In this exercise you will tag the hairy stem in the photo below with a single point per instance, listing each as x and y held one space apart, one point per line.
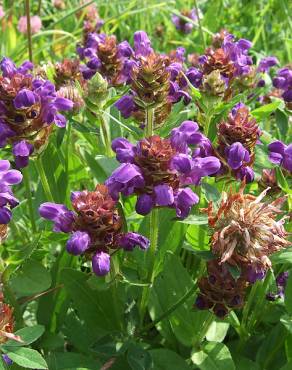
26 178
29 40
151 259
44 180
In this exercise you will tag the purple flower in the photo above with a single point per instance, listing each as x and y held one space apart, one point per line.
78 243
142 44
183 25
144 204
194 76
7 200
24 99
281 282
125 179
101 263
125 151
184 200
125 105
246 173
21 151
163 195
130 240
267 63
125 49
281 154
255 273
58 213
186 134
7 360
236 155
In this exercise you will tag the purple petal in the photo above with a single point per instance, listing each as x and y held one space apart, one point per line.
101 263
163 195
5 215
184 200
24 99
124 150
78 243
144 204
130 240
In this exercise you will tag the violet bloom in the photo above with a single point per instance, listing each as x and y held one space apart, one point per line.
8 177
28 106
7 360
95 227
281 154
236 155
267 63
181 24
283 81
35 24
281 282
160 170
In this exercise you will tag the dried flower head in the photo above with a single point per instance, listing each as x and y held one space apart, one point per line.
246 230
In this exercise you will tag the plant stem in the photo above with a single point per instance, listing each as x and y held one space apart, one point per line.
29 41
67 149
204 330
26 178
151 259
105 133
44 180
200 25
168 312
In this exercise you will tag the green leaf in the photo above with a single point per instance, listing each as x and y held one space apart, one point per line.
138 358
164 359
28 335
211 193
265 111
217 331
195 220
213 356
28 358
282 120
167 290
284 256
71 360
31 279
244 363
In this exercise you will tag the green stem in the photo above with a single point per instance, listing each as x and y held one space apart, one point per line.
200 25
26 178
44 180
67 150
29 41
168 312
200 337
105 133
151 259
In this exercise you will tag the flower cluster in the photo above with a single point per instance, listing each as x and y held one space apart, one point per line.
245 233
283 82
95 227
92 21
281 154
8 177
181 24
28 108
159 171
103 54
156 81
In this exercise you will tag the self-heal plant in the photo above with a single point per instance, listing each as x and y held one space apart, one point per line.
28 108
95 227
159 171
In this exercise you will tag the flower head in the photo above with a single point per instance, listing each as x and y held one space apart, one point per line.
35 24
183 25
28 108
283 82
159 171
95 227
